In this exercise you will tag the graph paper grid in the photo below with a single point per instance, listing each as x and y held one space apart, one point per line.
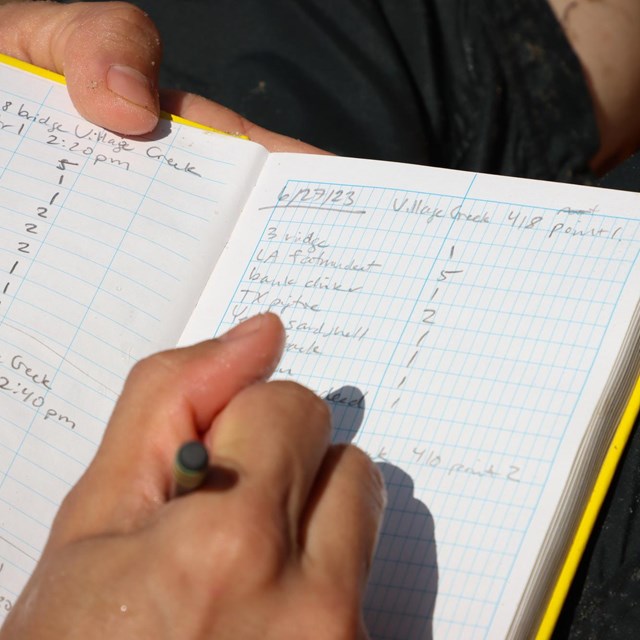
453 337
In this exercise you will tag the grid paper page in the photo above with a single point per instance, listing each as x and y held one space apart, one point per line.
452 331
105 245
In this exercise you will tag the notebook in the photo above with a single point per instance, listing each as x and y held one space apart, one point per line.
476 335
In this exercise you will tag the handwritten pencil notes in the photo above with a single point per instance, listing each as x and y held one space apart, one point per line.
105 246
462 329
465 330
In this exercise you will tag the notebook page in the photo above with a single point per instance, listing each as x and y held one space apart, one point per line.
461 327
105 244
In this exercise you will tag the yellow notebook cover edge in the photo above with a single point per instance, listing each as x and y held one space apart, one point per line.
587 522
56 77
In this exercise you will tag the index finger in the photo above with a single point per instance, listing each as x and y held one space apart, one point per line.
168 399
209 113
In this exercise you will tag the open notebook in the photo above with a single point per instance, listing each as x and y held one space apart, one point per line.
478 336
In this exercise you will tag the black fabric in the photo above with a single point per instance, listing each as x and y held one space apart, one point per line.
604 600
469 84
483 85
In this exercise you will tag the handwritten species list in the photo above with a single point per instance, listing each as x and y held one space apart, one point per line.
454 326
104 247
452 336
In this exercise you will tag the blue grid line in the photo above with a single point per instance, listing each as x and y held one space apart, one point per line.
134 281
400 342
463 224
111 397
122 252
553 458
54 423
101 220
148 265
254 285
20 539
22 137
397 253
495 269
49 445
468 197
43 523
368 360
17 567
103 291
596 325
79 325
79 191
44 496
129 233
118 375
39 466
70 348
534 232
73 324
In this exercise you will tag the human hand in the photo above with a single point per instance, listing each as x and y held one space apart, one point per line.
276 544
109 52
110 55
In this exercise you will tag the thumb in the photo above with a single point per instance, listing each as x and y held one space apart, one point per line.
108 51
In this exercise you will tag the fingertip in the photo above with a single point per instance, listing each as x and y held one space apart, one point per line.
267 323
199 380
210 114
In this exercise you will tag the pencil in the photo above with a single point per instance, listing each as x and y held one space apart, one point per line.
190 467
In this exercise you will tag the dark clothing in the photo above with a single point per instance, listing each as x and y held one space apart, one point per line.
480 85
469 84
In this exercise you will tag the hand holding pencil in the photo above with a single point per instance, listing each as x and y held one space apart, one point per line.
275 542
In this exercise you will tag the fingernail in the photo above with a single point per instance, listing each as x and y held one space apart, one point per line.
243 329
131 85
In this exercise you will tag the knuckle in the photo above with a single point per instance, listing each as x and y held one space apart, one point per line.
158 365
64 523
67 507
295 397
249 543
340 613
259 546
123 12
287 401
119 23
